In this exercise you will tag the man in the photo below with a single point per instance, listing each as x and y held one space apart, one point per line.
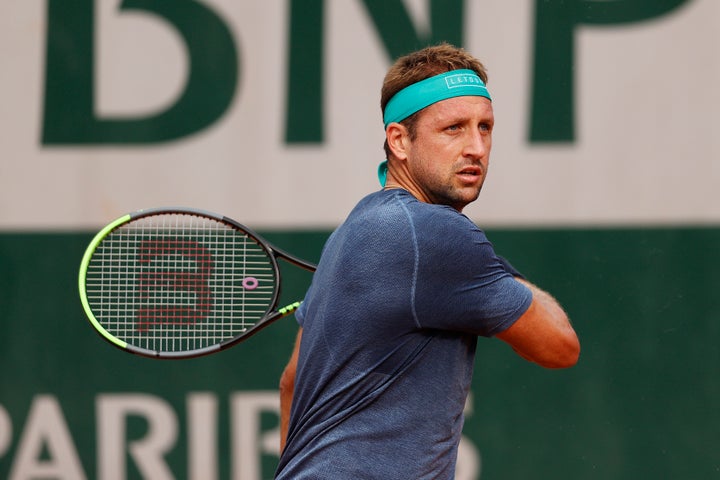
383 362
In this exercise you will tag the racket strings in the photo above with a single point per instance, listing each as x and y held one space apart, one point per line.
179 282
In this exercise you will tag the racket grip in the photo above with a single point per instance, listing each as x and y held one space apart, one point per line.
288 309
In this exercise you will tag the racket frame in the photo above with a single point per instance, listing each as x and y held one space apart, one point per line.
271 314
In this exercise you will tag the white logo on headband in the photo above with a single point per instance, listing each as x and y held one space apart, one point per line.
463 80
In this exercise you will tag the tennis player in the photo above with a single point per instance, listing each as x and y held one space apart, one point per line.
383 361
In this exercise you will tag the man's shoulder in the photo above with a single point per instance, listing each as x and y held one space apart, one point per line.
395 209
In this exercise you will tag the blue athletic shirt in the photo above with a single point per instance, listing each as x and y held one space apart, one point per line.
390 325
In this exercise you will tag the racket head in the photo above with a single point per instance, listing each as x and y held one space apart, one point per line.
178 283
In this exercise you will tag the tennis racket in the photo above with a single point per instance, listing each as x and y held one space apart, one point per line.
180 283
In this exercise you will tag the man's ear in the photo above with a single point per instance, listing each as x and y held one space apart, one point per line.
397 139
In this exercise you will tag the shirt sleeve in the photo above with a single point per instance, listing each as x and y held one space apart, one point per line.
460 284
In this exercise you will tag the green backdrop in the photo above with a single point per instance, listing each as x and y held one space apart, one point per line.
641 403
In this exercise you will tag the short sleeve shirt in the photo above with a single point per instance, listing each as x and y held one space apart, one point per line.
390 325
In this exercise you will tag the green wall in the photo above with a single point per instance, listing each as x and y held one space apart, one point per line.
641 403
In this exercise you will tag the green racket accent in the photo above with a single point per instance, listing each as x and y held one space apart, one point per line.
288 309
82 278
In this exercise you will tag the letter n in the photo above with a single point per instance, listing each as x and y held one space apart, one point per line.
305 121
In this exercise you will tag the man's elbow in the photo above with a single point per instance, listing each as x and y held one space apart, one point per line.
565 355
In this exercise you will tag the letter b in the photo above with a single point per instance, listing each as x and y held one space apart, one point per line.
69 116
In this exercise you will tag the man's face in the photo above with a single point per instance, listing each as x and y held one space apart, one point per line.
448 160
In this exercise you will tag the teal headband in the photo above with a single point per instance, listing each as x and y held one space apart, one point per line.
415 97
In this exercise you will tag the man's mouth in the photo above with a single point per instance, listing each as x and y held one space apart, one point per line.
470 172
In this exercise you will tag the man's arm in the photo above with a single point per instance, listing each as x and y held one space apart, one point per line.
543 334
287 388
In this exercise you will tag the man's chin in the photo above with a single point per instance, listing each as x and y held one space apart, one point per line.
463 198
